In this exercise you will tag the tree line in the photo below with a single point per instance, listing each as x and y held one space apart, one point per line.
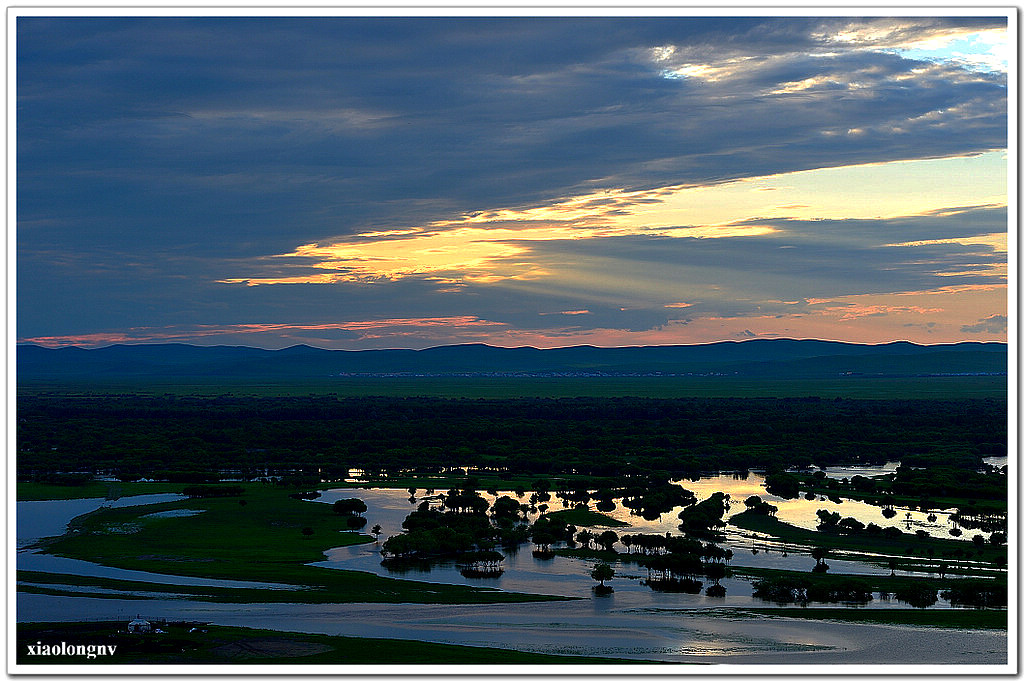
189 437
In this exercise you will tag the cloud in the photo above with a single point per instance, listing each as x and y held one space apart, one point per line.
802 259
188 129
633 282
157 156
995 324
360 329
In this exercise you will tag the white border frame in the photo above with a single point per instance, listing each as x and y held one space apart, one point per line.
423 8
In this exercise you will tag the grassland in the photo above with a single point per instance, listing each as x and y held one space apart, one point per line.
861 387
59 584
876 582
817 488
40 491
262 541
483 480
211 644
582 517
943 619
863 542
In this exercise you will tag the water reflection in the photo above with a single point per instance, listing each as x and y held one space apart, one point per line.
571 577
632 622
39 519
800 512
660 633
840 472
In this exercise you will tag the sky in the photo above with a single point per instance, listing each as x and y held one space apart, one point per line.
384 182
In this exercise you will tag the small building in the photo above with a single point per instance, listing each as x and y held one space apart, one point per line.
139 626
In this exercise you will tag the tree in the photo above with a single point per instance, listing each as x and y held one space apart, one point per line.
607 539
851 524
819 553
601 572
505 507
307 531
349 506
377 532
783 485
828 521
543 539
714 571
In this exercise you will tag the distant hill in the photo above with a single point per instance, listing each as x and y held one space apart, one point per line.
776 358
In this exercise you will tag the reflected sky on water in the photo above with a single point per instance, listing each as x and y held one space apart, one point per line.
633 622
562 575
600 627
40 519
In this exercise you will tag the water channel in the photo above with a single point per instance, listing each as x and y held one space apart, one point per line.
634 622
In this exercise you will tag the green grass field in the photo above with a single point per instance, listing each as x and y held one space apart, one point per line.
943 619
877 582
260 541
937 387
895 499
40 491
863 541
582 517
236 645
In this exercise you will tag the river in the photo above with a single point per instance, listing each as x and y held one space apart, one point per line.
632 623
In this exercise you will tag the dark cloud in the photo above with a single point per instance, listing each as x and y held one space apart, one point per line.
155 152
624 282
948 223
992 324
820 258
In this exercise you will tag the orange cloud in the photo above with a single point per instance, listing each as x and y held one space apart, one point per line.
846 313
366 328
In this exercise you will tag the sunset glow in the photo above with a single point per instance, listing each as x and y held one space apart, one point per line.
679 180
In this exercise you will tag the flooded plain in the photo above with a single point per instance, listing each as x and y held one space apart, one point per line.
568 576
595 627
633 622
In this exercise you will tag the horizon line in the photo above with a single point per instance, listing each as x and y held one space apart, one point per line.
512 347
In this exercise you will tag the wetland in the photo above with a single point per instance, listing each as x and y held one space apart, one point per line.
503 547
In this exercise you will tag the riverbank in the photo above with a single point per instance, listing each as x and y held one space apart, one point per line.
942 619
190 643
906 546
264 535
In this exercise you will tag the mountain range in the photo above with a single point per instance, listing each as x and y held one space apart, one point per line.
759 358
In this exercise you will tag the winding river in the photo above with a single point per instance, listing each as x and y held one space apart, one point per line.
632 623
